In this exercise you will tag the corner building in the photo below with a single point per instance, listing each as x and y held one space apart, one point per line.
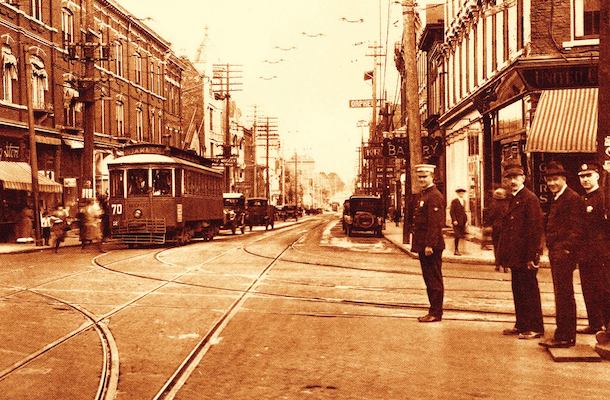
521 85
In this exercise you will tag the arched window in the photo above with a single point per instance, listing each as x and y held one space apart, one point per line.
9 73
139 125
67 26
120 118
138 68
40 82
118 58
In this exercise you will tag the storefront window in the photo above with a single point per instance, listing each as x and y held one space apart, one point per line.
137 182
510 119
162 182
116 184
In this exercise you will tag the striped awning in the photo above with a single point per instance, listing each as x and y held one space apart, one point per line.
18 176
565 122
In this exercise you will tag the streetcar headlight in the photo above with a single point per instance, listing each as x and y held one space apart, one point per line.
137 213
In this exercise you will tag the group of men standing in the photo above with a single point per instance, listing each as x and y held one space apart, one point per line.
576 233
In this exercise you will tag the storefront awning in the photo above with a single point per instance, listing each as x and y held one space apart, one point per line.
18 176
565 122
74 144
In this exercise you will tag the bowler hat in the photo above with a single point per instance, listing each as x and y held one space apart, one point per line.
458 190
588 168
555 168
513 169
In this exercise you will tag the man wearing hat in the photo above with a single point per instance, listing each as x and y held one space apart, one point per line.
457 211
563 237
519 247
593 263
428 241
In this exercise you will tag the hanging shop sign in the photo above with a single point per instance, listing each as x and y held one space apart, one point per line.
432 146
373 151
395 147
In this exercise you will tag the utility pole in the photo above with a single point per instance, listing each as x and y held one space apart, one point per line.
270 127
254 142
33 152
296 178
374 140
413 156
224 85
87 97
603 127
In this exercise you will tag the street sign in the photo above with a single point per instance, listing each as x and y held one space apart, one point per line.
364 103
395 147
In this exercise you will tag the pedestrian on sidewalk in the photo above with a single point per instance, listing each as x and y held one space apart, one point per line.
457 211
45 225
59 226
563 238
493 220
397 216
91 223
593 259
519 247
428 242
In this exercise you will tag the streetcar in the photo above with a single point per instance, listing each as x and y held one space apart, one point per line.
162 194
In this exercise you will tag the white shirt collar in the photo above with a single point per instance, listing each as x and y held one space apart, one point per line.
593 189
563 189
518 190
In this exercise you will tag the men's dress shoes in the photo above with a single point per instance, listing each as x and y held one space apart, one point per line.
428 318
457 253
557 344
588 330
530 335
511 332
603 337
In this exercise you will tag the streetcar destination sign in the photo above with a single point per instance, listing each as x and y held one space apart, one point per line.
364 103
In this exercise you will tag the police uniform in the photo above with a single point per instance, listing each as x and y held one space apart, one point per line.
593 257
428 222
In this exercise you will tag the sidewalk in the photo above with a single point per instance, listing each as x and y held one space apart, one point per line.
471 251
71 240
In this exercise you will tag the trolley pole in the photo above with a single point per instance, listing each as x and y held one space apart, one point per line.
33 152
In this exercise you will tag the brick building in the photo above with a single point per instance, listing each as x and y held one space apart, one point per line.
137 91
521 85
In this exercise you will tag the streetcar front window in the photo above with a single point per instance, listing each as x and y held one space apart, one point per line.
162 182
116 183
137 182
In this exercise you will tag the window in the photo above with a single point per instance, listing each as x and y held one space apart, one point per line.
116 183
139 125
162 182
211 119
37 9
151 74
9 73
586 19
138 68
67 26
120 118
137 182
159 79
160 128
118 58
40 82
152 126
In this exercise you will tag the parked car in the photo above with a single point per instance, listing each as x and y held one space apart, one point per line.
280 212
291 211
364 213
260 213
234 212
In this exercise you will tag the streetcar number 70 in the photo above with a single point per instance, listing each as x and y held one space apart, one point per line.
117 209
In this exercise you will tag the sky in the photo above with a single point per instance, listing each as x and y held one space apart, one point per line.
310 88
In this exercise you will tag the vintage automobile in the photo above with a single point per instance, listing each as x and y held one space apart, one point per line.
291 211
260 213
365 213
234 212
280 213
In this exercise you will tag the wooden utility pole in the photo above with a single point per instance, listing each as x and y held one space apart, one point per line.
374 140
87 97
255 183
414 155
224 85
603 127
33 152
296 179
270 126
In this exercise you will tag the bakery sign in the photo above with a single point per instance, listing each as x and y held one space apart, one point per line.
10 151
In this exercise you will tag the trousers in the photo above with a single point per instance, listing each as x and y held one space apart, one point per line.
431 267
562 271
526 296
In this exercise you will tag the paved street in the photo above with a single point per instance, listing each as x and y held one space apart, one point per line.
295 313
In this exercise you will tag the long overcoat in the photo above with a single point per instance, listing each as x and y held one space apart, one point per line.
458 214
564 225
521 232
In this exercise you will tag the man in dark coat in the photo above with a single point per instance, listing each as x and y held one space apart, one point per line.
457 211
519 247
428 242
563 238
593 257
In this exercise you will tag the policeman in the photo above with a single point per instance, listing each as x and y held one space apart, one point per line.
593 258
428 242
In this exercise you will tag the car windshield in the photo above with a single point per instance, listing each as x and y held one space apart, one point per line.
232 202
371 205
254 203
